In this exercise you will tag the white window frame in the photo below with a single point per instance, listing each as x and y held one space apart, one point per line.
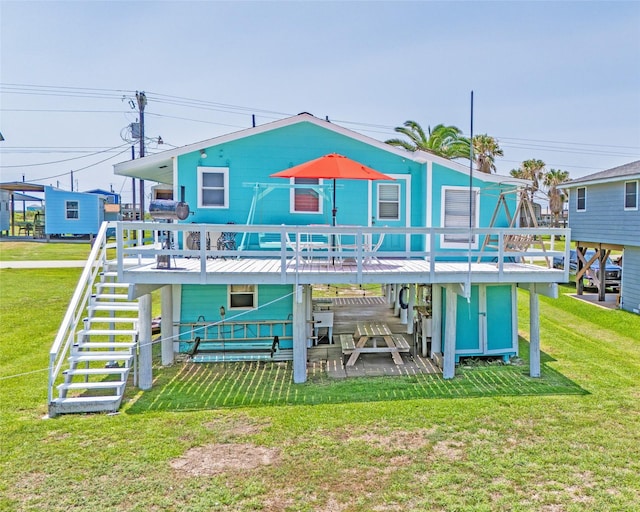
630 208
219 170
447 244
584 208
253 292
292 197
67 209
398 201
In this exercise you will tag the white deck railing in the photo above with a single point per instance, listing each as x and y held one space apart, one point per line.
420 243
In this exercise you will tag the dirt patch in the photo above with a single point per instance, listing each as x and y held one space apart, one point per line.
218 458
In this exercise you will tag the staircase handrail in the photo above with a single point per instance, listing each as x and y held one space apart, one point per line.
77 305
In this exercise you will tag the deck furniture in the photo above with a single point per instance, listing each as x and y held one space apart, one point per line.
322 320
371 332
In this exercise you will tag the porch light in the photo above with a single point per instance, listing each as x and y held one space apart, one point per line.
203 153
222 311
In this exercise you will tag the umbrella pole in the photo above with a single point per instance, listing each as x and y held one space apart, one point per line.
334 211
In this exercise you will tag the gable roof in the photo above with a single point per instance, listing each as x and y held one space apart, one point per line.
159 167
624 172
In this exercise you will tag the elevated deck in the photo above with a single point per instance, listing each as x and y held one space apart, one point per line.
151 263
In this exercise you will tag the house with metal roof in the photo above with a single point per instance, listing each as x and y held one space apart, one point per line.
604 215
236 253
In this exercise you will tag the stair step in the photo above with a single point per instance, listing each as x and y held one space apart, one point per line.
79 404
112 285
89 345
108 332
112 296
114 306
93 385
97 371
112 319
82 357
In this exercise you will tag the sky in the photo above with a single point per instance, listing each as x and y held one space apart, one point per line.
555 81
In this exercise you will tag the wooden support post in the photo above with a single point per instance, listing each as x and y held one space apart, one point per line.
449 364
166 324
145 378
602 274
299 334
534 332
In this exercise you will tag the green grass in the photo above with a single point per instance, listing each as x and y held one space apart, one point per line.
566 442
32 251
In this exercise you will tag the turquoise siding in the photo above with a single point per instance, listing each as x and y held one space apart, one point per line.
90 212
252 159
497 335
202 304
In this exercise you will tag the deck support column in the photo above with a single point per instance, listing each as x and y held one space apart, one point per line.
534 333
436 321
145 376
396 299
411 312
449 364
166 324
300 333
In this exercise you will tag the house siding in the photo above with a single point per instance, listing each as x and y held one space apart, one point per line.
631 279
252 159
604 219
90 213
202 304
5 213
484 323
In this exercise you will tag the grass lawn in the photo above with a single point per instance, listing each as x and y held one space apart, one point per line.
242 437
39 251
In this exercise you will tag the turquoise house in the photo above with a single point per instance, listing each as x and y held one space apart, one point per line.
226 180
235 270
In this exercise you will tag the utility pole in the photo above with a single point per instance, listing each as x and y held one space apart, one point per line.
142 102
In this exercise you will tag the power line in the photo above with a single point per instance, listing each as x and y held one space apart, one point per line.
65 160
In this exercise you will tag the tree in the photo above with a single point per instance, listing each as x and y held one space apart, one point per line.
485 151
552 179
532 170
445 141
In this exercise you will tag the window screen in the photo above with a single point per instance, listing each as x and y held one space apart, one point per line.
388 202
457 211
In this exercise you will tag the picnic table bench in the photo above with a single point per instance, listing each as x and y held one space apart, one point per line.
367 332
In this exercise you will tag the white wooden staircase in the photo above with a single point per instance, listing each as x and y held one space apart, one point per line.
95 350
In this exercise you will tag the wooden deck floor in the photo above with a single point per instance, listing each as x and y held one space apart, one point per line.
271 271
347 311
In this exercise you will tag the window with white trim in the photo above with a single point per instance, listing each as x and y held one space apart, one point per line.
72 210
243 296
305 199
213 187
631 195
458 207
581 199
388 201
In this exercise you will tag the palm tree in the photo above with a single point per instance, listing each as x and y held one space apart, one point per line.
445 141
532 170
552 179
485 151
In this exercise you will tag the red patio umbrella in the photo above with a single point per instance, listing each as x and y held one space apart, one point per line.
332 167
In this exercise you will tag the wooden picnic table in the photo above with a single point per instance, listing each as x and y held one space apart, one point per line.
372 331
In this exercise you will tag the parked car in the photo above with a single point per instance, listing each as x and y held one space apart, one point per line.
613 272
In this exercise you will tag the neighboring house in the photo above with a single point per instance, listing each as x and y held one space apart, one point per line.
604 215
5 211
72 213
418 224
